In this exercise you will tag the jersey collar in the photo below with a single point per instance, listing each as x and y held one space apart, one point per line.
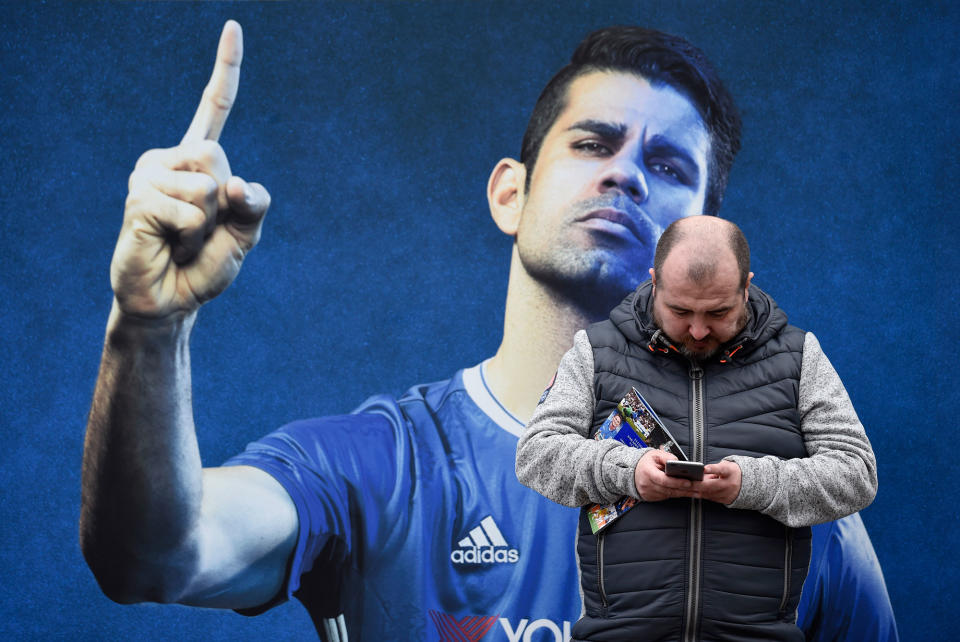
475 383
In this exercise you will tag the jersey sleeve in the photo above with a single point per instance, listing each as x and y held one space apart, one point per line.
343 474
845 597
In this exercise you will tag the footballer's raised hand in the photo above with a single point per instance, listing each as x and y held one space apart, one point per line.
188 222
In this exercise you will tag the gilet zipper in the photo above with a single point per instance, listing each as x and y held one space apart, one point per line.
787 567
691 619
603 593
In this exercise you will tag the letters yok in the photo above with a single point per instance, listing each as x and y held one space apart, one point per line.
475 627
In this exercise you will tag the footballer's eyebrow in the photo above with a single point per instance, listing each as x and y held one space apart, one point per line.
610 131
660 145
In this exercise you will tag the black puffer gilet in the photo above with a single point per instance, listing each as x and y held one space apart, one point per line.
638 575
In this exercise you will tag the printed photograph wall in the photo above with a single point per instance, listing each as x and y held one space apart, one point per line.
375 127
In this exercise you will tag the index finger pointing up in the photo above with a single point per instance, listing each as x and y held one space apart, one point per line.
220 92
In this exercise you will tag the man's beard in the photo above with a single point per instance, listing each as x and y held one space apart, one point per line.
595 276
684 343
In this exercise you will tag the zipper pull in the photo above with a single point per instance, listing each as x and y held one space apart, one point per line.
658 340
696 372
729 353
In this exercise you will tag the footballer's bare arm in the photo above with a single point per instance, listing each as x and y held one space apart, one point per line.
155 525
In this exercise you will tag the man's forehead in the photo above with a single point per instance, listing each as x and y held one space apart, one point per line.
698 271
631 101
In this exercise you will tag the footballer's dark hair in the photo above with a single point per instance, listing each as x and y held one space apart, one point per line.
662 59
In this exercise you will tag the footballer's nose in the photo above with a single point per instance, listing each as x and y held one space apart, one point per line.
623 174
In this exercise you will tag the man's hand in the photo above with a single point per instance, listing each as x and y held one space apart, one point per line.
154 525
188 222
655 485
721 482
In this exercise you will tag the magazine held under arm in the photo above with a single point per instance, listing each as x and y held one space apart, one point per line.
633 423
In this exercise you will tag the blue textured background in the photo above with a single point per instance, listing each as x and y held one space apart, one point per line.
375 126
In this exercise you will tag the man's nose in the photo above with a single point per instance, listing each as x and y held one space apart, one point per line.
624 174
698 330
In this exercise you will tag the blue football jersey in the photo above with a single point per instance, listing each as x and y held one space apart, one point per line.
413 523
413 526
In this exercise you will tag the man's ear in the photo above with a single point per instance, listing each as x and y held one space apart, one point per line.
505 194
746 290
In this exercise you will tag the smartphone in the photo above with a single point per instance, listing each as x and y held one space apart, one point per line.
692 470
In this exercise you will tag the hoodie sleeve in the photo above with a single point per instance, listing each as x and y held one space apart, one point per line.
839 477
555 455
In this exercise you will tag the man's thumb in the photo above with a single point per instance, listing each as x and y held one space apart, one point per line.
248 201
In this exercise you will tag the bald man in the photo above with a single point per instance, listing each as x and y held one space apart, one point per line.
741 391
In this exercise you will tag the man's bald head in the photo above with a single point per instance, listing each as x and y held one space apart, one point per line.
705 244
701 277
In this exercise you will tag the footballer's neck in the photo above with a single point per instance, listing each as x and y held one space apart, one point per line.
538 328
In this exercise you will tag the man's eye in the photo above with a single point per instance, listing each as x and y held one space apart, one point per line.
592 148
667 170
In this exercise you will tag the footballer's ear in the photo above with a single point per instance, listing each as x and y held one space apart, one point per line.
505 194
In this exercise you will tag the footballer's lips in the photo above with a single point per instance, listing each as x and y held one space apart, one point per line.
613 220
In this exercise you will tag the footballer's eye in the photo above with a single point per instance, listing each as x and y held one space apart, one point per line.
668 171
592 148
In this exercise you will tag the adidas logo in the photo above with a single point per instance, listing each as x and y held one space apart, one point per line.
484 545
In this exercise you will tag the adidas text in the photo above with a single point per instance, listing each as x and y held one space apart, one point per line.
484 544
485 555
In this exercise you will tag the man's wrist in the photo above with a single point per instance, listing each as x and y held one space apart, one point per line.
619 470
125 330
747 496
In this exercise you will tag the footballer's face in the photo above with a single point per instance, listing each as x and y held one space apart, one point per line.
622 161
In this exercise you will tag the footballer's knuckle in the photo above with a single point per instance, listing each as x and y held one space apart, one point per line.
192 217
137 203
209 153
207 190
217 99
149 157
138 177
